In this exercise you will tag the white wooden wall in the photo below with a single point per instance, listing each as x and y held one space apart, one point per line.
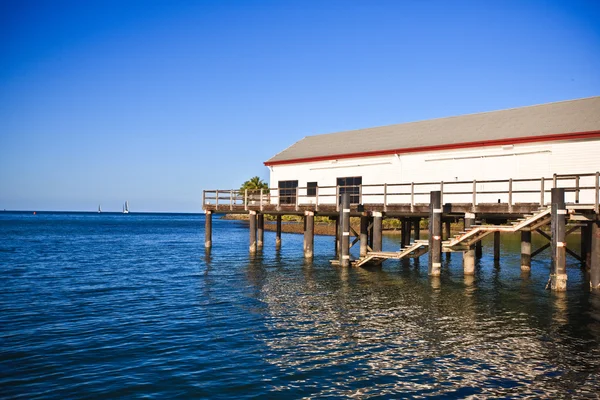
487 163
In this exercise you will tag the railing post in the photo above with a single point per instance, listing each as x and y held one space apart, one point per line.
337 198
474 194
278 199
217 201
577 189
442 192
231 200
261 199
297 198
412 197
542 192
317 198
360 191
554 179
246 199
203 198
510 194
385 197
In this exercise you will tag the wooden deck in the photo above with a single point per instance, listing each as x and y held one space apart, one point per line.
513 198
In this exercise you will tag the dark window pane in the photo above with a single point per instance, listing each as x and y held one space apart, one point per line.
311 189
287 192
350 185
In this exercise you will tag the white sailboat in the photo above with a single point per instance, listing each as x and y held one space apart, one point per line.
99 208
126 207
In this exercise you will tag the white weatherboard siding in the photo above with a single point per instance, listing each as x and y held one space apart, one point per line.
487 163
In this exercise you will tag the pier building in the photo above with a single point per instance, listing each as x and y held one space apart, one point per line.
514 170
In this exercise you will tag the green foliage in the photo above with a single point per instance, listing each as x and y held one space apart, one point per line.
254 183
253 186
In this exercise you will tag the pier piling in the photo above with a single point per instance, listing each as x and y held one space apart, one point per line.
260 219
469 255
586 244
336 242
309 233
417 228
435 233
377 227
594 256
405 232
252 220
364 227
208 229
525 251
496 246
278 233
345 239
559 214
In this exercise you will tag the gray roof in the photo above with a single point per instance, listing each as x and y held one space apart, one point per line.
580 115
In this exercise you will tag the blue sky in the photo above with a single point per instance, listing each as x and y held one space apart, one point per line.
154 101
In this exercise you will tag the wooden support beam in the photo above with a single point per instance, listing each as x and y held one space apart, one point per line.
525 250
309 234
364 234
435 233
538 251
252 220
208 229
278 233
558 277
345 239
469 255
544 234
447 224
573 254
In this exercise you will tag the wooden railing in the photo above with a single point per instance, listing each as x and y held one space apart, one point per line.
583 189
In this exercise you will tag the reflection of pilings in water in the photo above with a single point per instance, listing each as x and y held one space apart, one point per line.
399 325
561 312
309 274
207 257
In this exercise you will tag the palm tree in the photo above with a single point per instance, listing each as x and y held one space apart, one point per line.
253 185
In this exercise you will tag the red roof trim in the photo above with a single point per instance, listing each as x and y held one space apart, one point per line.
452 146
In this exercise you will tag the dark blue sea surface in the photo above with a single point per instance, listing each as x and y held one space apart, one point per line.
129 306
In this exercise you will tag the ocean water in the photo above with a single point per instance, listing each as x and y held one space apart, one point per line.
131 306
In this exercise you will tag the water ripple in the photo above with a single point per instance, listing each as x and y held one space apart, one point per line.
132 306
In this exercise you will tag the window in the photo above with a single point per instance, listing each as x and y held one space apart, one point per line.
287 192
311 188
350 185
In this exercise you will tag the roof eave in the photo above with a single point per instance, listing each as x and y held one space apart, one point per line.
450 146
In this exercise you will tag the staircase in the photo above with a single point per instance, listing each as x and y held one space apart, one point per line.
462 241
477 232
415 249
